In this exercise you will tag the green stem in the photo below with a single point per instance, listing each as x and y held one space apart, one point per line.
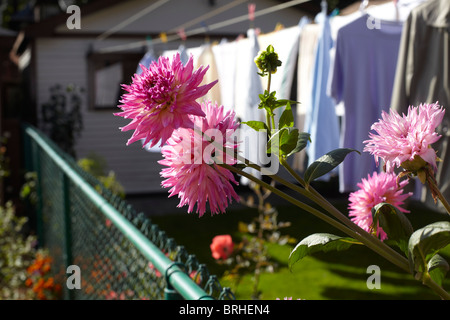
378 247
268 122
371 242
344 225
269 117
436 192
273 121
299 179
319 199
426 279
287 197
315 196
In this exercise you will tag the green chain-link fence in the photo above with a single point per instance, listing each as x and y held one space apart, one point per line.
119 252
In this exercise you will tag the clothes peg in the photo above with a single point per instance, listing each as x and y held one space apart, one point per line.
279 26
182 34
397 13
363 6
251 11
251 14
149 43
163 37
204 25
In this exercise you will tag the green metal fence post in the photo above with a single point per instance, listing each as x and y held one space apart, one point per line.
27 155
67 229
169 292
36 160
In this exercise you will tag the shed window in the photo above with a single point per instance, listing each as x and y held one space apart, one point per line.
106 74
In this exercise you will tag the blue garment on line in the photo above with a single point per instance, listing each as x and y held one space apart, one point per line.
363 76
146 60
321 120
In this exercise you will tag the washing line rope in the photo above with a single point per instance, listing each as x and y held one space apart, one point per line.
208 15
201 30
132 19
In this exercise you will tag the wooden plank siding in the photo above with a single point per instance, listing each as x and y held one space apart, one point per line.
63 61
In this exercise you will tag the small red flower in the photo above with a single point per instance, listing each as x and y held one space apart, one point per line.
222 247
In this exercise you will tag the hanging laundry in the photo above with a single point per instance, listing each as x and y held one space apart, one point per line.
285 43
321 121
225 58
206 58
393 10
247 90
146 60
362 78
423 74
306 54
247 83
184 52
148 57
337 22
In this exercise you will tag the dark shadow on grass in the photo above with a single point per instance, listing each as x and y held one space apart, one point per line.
357 256
335 293
385 279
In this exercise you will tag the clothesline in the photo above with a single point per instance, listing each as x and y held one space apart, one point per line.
208 15
202 29
132 19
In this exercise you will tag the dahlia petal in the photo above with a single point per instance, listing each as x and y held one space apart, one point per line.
166 91
399 138
378 188
197 182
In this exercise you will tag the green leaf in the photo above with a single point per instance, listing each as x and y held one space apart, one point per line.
302 141
268 101
426 242
257 125
287 118
437 268
284 102
275 141
396 225
326 163
290 141
319 242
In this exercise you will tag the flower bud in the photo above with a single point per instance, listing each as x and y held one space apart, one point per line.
267 61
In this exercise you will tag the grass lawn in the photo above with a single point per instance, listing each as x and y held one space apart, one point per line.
324 276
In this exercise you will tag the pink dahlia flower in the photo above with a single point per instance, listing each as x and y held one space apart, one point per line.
378 188
161 98
406 138
192 159
221 246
